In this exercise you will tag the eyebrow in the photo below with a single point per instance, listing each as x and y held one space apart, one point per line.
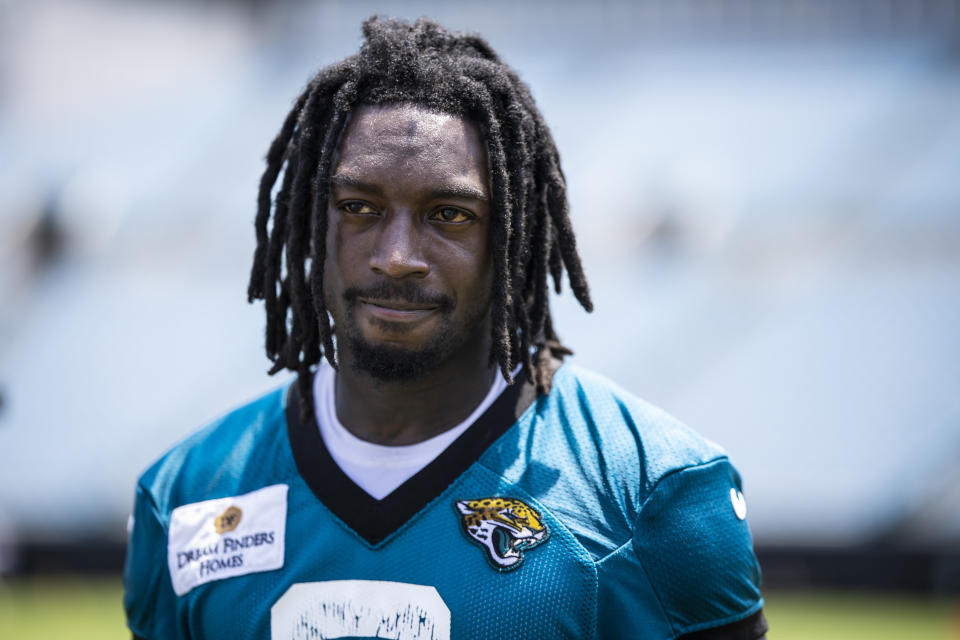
342 180
439 193
458 191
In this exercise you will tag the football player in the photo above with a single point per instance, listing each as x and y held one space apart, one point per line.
437 470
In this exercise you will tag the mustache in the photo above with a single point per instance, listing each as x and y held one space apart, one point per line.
408 292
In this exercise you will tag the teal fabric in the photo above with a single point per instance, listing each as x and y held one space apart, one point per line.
644 541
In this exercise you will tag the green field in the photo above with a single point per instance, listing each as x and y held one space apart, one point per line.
84 609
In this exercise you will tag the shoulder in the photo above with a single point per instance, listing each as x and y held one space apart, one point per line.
595 453
244 451
656 505
666 443
617 422
215 460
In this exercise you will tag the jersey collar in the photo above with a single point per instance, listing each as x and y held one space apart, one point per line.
374 520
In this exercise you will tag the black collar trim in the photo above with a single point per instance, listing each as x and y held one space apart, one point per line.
374 520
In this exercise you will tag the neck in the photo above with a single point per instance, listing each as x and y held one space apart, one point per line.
407 412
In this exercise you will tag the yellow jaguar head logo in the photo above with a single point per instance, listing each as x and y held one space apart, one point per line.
504 527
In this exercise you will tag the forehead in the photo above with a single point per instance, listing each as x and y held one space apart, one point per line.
411 138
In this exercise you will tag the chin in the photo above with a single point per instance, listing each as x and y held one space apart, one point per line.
391 362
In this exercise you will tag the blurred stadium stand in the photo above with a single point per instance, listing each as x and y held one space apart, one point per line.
766 196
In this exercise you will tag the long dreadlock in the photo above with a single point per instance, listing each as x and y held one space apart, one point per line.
531 235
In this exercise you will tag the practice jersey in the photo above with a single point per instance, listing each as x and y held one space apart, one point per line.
583 513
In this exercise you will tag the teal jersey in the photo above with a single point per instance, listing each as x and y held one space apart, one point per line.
583 513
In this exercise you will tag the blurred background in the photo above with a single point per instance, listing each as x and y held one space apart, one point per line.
767 200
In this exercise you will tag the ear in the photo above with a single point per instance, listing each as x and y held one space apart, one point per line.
464 507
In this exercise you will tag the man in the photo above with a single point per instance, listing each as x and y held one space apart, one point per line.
436 471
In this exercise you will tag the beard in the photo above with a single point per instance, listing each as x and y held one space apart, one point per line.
389 363
392 363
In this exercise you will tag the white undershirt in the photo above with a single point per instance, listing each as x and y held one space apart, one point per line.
379 469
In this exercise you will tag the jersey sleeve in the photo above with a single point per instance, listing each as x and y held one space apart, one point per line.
148 598
691 551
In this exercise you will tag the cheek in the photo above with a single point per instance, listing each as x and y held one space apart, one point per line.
476 282
329 287
470 268
332 282
485 280
483 267
332 241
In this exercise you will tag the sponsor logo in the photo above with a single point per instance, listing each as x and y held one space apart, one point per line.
228 520
227 537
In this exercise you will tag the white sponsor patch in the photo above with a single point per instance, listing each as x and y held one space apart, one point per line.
227 537
360 609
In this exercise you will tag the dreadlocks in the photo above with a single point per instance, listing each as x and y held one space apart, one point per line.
531 235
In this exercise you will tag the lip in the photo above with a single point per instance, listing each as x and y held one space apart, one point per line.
397 311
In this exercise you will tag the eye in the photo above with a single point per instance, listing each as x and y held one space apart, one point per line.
451 215
357 208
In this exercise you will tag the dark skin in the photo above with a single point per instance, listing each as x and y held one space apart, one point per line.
409 206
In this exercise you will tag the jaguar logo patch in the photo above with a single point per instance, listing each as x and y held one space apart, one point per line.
504 527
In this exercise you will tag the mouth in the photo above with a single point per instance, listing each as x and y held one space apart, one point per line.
397 310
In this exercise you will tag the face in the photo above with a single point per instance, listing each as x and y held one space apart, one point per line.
408 272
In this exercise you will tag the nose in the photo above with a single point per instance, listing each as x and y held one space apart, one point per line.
397 250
